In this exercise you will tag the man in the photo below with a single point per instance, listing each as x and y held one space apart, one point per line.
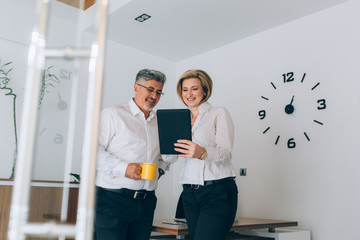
128 137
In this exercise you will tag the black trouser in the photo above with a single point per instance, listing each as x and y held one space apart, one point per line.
121 217
210 210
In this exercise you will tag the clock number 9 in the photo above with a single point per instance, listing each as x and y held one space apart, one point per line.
291 143
262 114
288 77
322 104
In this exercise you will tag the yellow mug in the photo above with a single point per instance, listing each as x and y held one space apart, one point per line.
148 171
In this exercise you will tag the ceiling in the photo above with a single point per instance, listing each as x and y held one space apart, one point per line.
180 29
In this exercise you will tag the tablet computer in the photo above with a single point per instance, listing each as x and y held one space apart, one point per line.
173 124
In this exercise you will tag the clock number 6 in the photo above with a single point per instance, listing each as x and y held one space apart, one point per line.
322 104
262 114
288 77
291 143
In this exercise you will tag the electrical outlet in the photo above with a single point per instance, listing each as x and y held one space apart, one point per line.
242 171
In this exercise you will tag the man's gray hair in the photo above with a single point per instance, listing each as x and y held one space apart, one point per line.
150 74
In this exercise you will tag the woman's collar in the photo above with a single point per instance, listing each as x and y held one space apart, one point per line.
204 107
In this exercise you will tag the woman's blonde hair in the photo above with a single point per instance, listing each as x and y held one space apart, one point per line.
205 81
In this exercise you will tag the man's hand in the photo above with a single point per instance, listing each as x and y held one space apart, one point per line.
133 171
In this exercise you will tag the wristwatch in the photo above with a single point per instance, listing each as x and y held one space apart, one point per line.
161 172
203 155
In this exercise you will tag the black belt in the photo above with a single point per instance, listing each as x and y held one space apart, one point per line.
137 194
207 183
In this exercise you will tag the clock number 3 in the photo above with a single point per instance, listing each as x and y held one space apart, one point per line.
322 104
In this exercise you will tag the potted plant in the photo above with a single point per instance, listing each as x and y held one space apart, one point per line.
47 80
5 70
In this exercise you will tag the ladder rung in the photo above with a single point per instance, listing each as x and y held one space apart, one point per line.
50 229
68 52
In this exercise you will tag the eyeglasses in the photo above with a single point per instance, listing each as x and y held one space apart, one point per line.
151 90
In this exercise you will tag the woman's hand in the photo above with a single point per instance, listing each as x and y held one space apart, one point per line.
189 149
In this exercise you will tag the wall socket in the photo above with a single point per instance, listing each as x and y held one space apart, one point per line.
242 171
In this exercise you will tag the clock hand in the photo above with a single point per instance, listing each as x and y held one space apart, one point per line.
292 99
62 105
289 109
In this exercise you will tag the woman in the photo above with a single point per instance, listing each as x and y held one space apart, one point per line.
208 177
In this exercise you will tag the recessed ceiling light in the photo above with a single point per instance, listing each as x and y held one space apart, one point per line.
142 17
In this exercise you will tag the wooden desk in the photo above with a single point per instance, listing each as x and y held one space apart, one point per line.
239 224
45 203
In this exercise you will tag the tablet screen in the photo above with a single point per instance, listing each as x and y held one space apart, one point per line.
173 124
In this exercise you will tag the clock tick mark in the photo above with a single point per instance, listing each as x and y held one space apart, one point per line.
273 85
264 98
42 131
318 122
315 86
307 137
303 77
277 139
266 130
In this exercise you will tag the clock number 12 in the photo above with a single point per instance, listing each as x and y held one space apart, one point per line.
65 74
288 77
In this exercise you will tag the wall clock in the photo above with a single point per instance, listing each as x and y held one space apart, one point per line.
54 109
50 149
293 102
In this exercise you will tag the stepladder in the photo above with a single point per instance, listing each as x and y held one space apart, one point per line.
84 57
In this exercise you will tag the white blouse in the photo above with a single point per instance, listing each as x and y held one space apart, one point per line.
213 130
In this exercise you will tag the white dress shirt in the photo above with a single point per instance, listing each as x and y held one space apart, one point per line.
125 136
213 130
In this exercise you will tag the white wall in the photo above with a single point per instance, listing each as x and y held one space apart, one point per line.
121 66
13 48
18 21
317 182
7 139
